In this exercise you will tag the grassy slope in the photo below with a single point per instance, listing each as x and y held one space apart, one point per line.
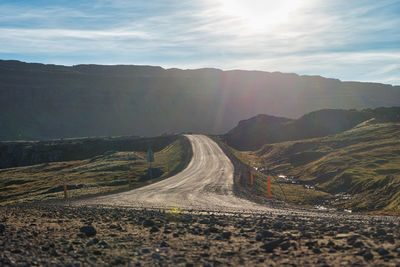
364 162
291 193
101 174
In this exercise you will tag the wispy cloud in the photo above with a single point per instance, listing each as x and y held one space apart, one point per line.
350 40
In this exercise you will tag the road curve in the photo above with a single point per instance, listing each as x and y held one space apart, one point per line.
206 184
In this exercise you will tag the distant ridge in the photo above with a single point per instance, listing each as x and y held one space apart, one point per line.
253 133
39 101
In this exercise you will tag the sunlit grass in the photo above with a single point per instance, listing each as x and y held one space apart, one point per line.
364 162
101 174
290 193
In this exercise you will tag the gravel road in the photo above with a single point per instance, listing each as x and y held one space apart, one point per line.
206 184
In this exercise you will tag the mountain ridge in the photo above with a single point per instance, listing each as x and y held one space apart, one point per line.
39 101
172 69
253 133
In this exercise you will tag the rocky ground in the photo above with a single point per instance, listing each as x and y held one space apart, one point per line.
76 236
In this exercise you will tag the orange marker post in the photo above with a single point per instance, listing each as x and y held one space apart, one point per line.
251 178
269 187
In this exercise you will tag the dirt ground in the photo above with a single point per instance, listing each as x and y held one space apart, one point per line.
38 234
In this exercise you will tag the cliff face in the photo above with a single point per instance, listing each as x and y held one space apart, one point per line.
48 101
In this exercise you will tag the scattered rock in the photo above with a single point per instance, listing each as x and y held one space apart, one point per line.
277 225
156 256
352 239
380 232
145 250
307 235
271 245
366 253
154 229
264 234
368 256
213 229
301 241
382 251
164 244
88 230
148 223
92 242
226 235
358 244
389 238
317 251
103 244
285 245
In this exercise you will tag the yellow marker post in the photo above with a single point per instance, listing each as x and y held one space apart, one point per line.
269 187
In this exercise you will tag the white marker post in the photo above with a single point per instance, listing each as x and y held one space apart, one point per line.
150 159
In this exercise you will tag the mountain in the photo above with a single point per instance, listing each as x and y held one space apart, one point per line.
252 133
40 101
363 162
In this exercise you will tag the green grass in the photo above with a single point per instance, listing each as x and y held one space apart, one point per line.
290 193
97 175
364 161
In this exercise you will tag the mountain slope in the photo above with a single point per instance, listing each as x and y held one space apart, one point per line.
363 162
50 101
251 134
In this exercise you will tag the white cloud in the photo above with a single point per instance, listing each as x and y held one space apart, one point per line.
334 38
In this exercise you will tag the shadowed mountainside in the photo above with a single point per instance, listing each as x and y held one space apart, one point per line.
48 101
252 133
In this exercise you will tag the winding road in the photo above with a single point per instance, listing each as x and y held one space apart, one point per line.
206 184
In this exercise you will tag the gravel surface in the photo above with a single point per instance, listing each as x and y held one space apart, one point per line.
76 236
206 183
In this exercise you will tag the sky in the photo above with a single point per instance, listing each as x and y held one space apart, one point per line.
357 40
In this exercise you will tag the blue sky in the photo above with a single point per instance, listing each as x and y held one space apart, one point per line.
356 40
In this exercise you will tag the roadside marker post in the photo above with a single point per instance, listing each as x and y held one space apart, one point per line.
129 179
251 178
65 188
269 186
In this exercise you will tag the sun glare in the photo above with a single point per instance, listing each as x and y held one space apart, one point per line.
260 15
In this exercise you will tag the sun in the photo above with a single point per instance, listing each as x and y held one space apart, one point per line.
260 15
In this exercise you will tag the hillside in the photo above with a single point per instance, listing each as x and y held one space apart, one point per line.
363 162
48 101
252 133
36 170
